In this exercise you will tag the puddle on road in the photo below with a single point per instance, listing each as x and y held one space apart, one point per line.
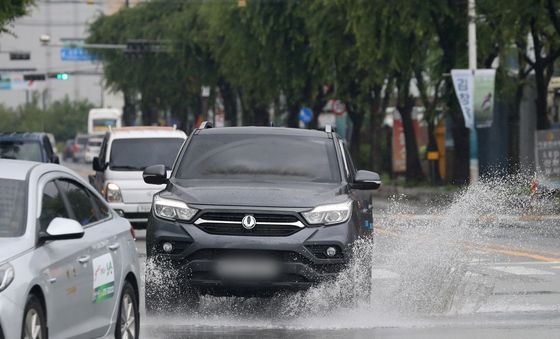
421 269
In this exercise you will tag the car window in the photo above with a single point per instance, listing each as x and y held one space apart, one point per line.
52 205
260 157
84 210
139 153
102 208
349 161
21 150
13 207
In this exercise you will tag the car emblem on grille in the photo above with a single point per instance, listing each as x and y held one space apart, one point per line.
248 222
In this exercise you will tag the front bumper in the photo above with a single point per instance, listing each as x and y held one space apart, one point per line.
135 212
11 317
300 256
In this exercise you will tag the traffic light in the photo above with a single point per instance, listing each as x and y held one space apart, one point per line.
34 77
59 76
140 47
20 55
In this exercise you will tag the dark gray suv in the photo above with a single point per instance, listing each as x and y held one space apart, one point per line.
254 210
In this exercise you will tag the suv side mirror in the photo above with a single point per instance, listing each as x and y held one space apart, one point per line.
97 166
62 229
366 180
55 159
156 175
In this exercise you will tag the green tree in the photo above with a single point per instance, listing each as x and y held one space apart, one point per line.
11 9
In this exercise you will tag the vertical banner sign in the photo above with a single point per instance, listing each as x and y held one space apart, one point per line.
547 152
464 88
399 150
484 80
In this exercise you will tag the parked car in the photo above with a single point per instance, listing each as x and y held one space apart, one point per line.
80 143
92 148
68 263
27 146
68 149
254 210
125 153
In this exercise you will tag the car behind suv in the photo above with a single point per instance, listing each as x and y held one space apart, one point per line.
125 153
254 210
27 146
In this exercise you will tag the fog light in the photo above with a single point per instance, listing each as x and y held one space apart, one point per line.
167 247
331 251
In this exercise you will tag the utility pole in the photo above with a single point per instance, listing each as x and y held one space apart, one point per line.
473 163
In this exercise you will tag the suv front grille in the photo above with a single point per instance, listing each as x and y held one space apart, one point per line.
267 225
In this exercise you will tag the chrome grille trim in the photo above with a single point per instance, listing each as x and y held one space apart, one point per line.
201 221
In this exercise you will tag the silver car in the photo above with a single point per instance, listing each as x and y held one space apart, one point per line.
68 263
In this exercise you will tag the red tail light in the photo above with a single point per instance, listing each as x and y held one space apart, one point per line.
75 148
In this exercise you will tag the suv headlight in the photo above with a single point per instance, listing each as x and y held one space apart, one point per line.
329 214
7 274
113 193
173 209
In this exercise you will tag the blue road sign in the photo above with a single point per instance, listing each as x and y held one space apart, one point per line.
305 115
75 54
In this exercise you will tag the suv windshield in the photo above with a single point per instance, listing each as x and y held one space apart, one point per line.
12 208
21 150
260 158
137 154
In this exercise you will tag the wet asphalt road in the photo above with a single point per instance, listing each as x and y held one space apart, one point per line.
509 288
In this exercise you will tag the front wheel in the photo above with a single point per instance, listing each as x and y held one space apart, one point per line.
128 318
34 320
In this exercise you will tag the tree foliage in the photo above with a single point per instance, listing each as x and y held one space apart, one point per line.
11 9
370 54
63 118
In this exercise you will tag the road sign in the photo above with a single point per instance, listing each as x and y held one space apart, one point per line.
305 115
75 54
547 152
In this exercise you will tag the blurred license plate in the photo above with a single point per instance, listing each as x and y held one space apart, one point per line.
247 269
144 208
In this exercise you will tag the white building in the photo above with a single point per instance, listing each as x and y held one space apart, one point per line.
60 20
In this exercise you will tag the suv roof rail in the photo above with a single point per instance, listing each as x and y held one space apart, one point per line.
205 125
328 128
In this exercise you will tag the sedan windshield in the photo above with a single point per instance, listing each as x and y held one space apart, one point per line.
260 158
20 150
137 154
12 208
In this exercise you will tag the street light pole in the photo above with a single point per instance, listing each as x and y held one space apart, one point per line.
473 163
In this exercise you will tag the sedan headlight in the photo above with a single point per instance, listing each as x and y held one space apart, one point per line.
329 214
7 274
173 209
113 193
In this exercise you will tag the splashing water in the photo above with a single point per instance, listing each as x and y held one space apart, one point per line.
412 266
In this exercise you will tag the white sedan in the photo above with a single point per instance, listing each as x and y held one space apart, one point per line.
68 263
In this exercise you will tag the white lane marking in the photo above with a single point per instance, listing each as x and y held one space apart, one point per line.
521 270
380 273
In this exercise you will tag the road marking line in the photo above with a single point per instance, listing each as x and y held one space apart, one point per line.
507 247
521 270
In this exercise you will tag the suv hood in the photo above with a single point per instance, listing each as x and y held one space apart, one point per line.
12 247
257 194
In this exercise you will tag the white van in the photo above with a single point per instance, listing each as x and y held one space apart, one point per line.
124 154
